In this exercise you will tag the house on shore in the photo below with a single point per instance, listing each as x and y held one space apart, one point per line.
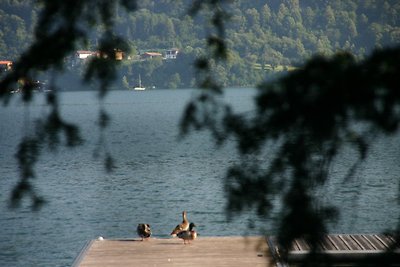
81 56
85 54
150 55
5 65
171 53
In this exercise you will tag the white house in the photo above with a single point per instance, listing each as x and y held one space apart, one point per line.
171 53
84 54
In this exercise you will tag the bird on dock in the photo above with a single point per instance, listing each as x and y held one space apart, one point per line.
188 234
184 226
143 230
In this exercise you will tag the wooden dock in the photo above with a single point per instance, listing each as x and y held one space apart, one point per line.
204 251
339 249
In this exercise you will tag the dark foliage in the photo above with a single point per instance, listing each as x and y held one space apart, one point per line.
61 28
309 114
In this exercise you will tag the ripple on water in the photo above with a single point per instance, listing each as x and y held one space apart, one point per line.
157 178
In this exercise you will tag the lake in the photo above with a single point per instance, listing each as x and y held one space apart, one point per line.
158 175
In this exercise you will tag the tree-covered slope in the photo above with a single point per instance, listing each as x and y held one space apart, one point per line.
263 36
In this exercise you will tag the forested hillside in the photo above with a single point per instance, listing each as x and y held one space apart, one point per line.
264 37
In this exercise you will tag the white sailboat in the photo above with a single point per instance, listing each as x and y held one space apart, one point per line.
139 87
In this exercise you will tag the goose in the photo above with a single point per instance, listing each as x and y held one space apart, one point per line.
143 230
182 226
188 234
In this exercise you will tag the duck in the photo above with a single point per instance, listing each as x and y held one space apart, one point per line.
188 234
143 230
184 226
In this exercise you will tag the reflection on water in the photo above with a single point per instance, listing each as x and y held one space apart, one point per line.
158 176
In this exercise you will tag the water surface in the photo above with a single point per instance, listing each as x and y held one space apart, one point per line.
158 175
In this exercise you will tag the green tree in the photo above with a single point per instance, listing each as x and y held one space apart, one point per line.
282 13
309 16
330 16
295 10
174 81
253 17
14 33
266 15
125 82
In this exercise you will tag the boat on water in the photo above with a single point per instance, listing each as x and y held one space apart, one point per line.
139 87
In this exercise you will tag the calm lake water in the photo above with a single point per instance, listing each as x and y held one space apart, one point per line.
158 175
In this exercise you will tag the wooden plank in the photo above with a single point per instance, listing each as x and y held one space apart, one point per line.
385 240
356 239
327 243
296 246
368 240
303 245
82 253
375 242
204 251
364 242
350 243
339 243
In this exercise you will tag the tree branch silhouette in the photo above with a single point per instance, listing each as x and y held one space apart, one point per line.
310 114
61 28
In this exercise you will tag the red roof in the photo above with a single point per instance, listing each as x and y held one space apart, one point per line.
5 62
153 54
85 52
